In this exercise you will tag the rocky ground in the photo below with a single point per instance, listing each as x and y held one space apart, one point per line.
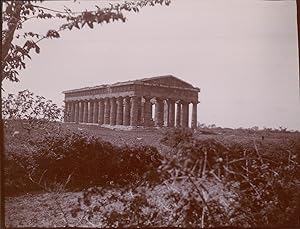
55 209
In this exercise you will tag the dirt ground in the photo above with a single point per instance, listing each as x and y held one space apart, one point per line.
152 136
54 209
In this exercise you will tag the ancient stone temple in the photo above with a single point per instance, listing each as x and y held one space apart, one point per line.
156 101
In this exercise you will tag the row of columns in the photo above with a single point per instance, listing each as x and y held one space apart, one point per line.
131 111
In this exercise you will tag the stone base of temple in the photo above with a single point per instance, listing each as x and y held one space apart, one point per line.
119 127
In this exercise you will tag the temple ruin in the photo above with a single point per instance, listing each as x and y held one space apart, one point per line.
131 103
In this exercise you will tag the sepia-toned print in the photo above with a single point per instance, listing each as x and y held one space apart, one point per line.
150 113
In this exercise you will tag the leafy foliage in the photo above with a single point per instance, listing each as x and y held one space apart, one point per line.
85 161
32 110
175 136
16 179
94 162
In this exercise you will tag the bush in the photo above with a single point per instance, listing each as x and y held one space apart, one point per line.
82 161
32 111
264 181
175 136
16 178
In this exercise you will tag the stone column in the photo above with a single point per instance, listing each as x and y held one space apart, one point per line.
76 116
74 111
147 111
159 112
80 107
96 111
185 114
66 114
166 113
69 111
178 115
119 111
171 113
139 111
151 115
194 115
142 116
71 114
134 111
126 113
113 111
101 112
85 112
90 111
106 111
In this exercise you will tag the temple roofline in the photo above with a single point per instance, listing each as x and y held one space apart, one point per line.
137 82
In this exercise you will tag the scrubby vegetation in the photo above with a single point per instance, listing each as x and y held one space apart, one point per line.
191 182
81 161
207 184
32 111
263 184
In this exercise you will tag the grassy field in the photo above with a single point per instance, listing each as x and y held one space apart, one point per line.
54 208
153 136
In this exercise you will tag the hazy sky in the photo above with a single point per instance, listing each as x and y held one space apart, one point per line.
242 54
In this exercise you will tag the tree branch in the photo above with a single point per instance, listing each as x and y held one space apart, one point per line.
12 26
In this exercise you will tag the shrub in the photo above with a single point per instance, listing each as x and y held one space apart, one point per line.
91 161
16 178
32 111
264 181
175 136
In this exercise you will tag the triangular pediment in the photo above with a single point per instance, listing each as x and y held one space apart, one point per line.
168 80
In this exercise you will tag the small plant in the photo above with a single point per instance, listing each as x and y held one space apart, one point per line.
175 136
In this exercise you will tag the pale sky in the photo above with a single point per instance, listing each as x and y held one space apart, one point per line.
242 54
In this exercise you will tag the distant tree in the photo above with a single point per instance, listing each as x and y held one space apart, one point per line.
212 126
283 129
201 125
255 128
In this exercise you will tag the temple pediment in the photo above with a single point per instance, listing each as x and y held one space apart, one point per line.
169 80
167 86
